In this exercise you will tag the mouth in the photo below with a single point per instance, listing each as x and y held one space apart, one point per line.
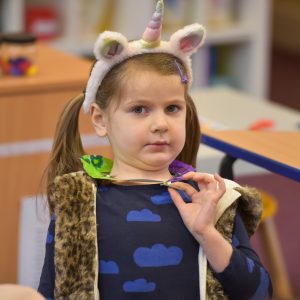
159 143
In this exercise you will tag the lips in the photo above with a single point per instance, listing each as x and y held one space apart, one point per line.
159 143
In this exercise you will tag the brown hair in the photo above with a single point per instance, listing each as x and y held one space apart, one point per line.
67 147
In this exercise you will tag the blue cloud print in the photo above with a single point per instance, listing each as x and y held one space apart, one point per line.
139 286
145 215
262 290
157 256
50 238
165 198
108 267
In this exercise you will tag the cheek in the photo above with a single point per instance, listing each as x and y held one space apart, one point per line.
179 131
182 134
128 134
179 124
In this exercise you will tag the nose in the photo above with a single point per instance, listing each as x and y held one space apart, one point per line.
159 122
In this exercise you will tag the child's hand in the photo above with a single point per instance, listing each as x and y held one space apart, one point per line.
198 216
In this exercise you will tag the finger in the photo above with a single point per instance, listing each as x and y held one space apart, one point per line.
187 188
202 179
221 184
205 177
178 201
189 173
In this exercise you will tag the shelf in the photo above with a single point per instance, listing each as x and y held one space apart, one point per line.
81 48
234 33
246 31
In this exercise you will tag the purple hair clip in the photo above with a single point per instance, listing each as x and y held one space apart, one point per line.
184 78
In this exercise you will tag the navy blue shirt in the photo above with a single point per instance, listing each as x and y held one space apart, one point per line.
146 252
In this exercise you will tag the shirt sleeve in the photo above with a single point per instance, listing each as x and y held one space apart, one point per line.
47 279
244 277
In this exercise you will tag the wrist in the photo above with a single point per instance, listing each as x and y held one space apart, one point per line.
217 249
205 235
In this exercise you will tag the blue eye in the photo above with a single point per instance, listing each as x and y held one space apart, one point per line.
139 109
173 108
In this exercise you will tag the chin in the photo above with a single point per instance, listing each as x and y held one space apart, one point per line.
160 161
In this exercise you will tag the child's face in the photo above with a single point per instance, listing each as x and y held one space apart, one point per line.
147 129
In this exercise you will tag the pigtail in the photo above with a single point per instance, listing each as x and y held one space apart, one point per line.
189 152
67 146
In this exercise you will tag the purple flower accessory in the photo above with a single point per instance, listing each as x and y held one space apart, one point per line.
184 78
179 168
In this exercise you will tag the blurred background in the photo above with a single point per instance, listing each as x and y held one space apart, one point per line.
252 46
257 40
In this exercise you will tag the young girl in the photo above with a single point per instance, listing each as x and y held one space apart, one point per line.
145 226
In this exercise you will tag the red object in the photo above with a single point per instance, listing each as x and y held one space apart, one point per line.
24 66
43 22
5 67
262 124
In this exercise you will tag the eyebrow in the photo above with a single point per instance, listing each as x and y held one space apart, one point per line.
145 101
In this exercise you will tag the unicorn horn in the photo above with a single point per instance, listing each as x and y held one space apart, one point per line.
152 34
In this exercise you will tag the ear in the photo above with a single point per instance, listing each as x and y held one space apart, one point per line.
99 120
110 45
189 39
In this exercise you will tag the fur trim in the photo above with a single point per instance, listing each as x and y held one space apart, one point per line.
192 30
225 224
250 208
249 205
76 259
105 39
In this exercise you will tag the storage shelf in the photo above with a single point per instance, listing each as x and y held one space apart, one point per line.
81 47
234 33
246 31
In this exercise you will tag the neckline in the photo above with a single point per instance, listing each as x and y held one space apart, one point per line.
155 186
99 167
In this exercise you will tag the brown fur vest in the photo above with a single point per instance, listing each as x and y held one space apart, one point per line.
76 253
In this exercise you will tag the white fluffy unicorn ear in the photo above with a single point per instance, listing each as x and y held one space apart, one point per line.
189 39
110 45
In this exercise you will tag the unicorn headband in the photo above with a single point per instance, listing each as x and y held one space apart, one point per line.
111 48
